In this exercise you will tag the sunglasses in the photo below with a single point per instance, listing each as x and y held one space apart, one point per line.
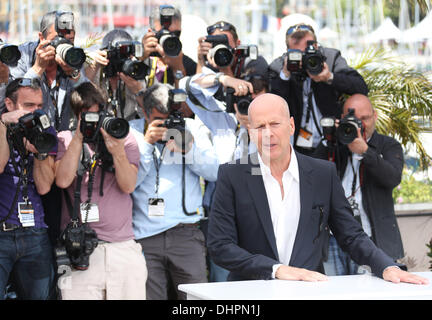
222 26
299 27
29 82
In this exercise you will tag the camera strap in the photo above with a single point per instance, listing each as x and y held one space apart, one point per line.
184 189
310 110
158 163
355 174
54 95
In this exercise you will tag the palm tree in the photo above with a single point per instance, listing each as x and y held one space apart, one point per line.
401 95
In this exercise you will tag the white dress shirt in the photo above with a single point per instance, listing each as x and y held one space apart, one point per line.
284 210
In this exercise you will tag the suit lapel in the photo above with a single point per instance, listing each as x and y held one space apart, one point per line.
258 194
306 190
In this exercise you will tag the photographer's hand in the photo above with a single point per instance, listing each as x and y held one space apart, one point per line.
68 70
241 87
285 71
203 49
150 43
13 116
45 54
359 145
324 76
98 59
125 172
154 133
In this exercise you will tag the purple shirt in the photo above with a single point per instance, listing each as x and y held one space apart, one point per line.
115 207
8 186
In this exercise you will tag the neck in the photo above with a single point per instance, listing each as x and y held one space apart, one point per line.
51 72
278 166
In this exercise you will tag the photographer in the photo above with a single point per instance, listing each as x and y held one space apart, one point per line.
109 263
27 149
166 67
40 59
313 87
370 167
119 74
168 199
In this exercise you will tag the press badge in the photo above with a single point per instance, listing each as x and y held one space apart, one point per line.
26 214
156 207
93 212
304 138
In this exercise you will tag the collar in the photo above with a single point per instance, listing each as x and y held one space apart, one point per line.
293 168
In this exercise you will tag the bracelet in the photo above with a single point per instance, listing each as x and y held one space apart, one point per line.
41 156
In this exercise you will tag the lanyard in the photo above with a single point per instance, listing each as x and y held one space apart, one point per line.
158 164
54 94
310 109
354 183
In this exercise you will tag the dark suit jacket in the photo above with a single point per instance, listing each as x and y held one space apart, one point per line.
346 80
241 237
383 164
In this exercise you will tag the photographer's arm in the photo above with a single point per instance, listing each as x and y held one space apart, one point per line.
4 147
44 174
45 54
125 172
67 166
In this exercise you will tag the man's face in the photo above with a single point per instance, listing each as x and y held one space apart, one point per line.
364 112
300 44
51 34
28 99
175 25
270 129
231 42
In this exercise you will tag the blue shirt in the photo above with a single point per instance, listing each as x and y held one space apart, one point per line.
201 161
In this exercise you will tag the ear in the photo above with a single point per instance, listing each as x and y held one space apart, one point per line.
10 105
41 37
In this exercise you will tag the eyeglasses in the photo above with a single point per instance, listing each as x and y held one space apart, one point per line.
299 27
222 26
29 82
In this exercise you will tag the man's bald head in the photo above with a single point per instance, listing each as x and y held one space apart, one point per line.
357 100
270 102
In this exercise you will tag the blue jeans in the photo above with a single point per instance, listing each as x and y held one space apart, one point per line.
339 263
26 253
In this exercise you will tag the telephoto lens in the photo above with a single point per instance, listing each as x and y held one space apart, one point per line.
116 127
171 45
73 56
135 69
9 54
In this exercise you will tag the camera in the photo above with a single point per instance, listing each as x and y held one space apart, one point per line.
311 60
242 102
169 41
175 122
9 54
245 51
91 122
221 51
122 57
73 56
78 242
348 126
33 127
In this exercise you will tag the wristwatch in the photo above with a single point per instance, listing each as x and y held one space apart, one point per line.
75 74
216 81
41 156
178 74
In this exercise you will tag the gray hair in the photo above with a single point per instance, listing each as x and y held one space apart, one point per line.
157 96
114 36
155 15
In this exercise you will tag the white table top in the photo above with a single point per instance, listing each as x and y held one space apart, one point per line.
358 287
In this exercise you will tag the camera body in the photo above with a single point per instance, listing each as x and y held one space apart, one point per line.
122 56
169 41
91 122
348 126
33 126
346 132
78 242
310 61
73 56
9 54
175 123
242 102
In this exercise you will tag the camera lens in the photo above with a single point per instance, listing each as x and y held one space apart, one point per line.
116 127
222 55
346 132
171 45
10 54
75 57
243 105
43 142
314 64
135 69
